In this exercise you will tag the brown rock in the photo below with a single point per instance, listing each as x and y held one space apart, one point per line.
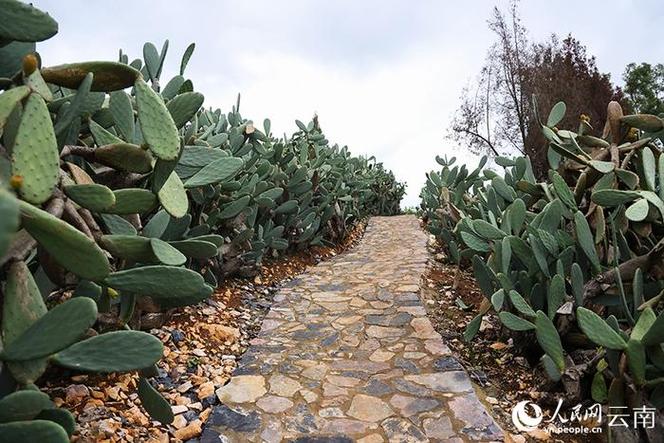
221 333
190 431
205 390
75 394
179 422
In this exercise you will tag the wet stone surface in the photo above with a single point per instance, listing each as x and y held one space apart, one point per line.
347 353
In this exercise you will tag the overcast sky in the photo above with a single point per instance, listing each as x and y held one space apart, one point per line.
384 76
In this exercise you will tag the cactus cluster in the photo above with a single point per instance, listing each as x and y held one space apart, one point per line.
119 192
573 264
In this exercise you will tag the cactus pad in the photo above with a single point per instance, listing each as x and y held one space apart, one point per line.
108 76
35 153
94 197
67 245
157 125
125 157
25 23
57 329
160 282
117 351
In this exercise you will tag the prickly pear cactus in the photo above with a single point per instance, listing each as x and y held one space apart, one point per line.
576 259
124 187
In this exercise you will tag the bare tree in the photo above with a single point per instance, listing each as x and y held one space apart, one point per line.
492 116
496 115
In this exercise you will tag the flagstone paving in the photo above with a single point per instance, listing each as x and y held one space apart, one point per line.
347 353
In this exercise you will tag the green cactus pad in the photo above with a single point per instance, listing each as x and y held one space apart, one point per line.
637 211
515 323
549 340
215 239
563 191
123 114
152 401
8 101
67 245
157 224
655 333
125 157
117 351
199 156
35 153
173 196
287 207
132 201
102 136
215 172
157 125
57 329
645 321
273 193
60 416
23 305
23 405
129 247
94 197
108 76
551 368
585 239
184 106
166 253
34 430
598 331
9 221
196 248
117 225
25 23
613 197
234 208
636 359
160 282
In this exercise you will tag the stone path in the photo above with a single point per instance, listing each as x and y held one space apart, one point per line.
347 353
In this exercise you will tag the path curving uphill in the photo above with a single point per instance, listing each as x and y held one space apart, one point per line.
347 353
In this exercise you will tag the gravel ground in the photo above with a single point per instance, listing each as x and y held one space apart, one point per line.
202 344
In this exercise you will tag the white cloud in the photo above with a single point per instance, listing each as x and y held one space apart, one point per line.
384 76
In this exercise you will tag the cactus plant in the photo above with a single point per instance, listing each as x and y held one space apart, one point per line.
574 254
140 193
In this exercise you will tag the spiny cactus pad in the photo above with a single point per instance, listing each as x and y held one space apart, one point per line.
35 153
23 305
94 197
57 329
157 125
23 405
160 282
67 245
117 351
33 430
23 22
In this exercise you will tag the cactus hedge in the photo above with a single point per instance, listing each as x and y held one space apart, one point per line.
119 189
573 264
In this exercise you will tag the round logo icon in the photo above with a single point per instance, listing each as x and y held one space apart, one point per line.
523 420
